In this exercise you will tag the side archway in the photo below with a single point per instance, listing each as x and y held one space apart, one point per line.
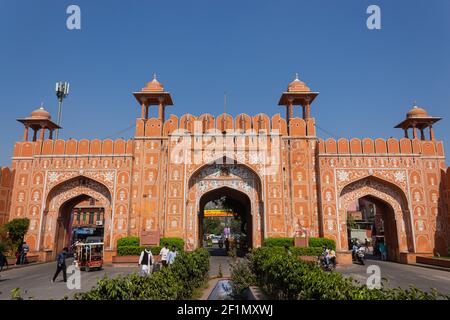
60 201
393 202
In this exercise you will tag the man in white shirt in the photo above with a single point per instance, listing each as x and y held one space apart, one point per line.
164 253
171 256
146 261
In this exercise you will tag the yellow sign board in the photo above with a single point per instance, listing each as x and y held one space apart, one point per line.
218 213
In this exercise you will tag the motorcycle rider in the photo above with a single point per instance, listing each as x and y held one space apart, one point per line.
355 248
325 254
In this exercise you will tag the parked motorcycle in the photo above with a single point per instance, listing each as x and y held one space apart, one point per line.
322 262
358 255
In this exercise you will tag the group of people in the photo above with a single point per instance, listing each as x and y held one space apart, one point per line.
380 248
21 253
329 256
146 260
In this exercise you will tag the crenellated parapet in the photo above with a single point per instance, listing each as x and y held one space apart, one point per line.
241 123
379 147
72 148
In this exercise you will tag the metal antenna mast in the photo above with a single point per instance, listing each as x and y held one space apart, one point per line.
62 91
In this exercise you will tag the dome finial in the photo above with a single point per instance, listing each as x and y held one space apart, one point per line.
42 106
296 76
154 75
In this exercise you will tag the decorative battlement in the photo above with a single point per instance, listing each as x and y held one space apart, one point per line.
73 148
380 146
225 123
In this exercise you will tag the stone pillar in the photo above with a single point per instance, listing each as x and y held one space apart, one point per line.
431 133
414 132
42 136
50 135
307 114
406 134
422 134
161 113
289 112
34 134
25 133
144 111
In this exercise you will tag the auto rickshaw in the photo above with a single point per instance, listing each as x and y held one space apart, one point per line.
89 256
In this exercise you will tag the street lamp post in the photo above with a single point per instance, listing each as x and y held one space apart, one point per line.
62 91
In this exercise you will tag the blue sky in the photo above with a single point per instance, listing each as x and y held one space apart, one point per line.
367 79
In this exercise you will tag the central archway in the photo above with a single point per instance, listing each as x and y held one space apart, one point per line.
240 204
235 180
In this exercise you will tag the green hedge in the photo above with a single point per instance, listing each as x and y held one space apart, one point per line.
320 242
177 242
136 250
284 276
308 251
134 241
129 246
128 241
312 242
178 282
278 242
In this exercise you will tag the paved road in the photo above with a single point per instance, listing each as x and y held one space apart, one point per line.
401 275
35 280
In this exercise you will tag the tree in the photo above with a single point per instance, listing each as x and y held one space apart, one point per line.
212 225
16 229
351 224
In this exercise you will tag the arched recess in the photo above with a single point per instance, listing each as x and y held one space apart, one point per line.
396 207
65 195
233 175
240 203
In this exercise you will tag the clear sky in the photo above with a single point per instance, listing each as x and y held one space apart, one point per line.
367 79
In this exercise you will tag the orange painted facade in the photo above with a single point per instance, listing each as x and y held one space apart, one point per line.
141 187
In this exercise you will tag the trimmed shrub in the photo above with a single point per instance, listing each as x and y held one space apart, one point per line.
178 282
284 276
278 242
320 242
308 251
136 250
128 241
129 250
177 242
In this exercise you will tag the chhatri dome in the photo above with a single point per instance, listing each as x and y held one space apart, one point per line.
298 86
417 112
40 113
153 86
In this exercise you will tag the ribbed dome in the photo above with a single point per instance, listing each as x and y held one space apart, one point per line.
298 86
41 113
417 112
153 86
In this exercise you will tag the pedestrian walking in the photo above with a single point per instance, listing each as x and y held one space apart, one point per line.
18 253
146 261
163 253
61 265
172 255
383 250
23 254
3 261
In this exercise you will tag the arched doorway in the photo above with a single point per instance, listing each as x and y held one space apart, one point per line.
80 219
240 183
374 219
238 207
386 208
79 202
